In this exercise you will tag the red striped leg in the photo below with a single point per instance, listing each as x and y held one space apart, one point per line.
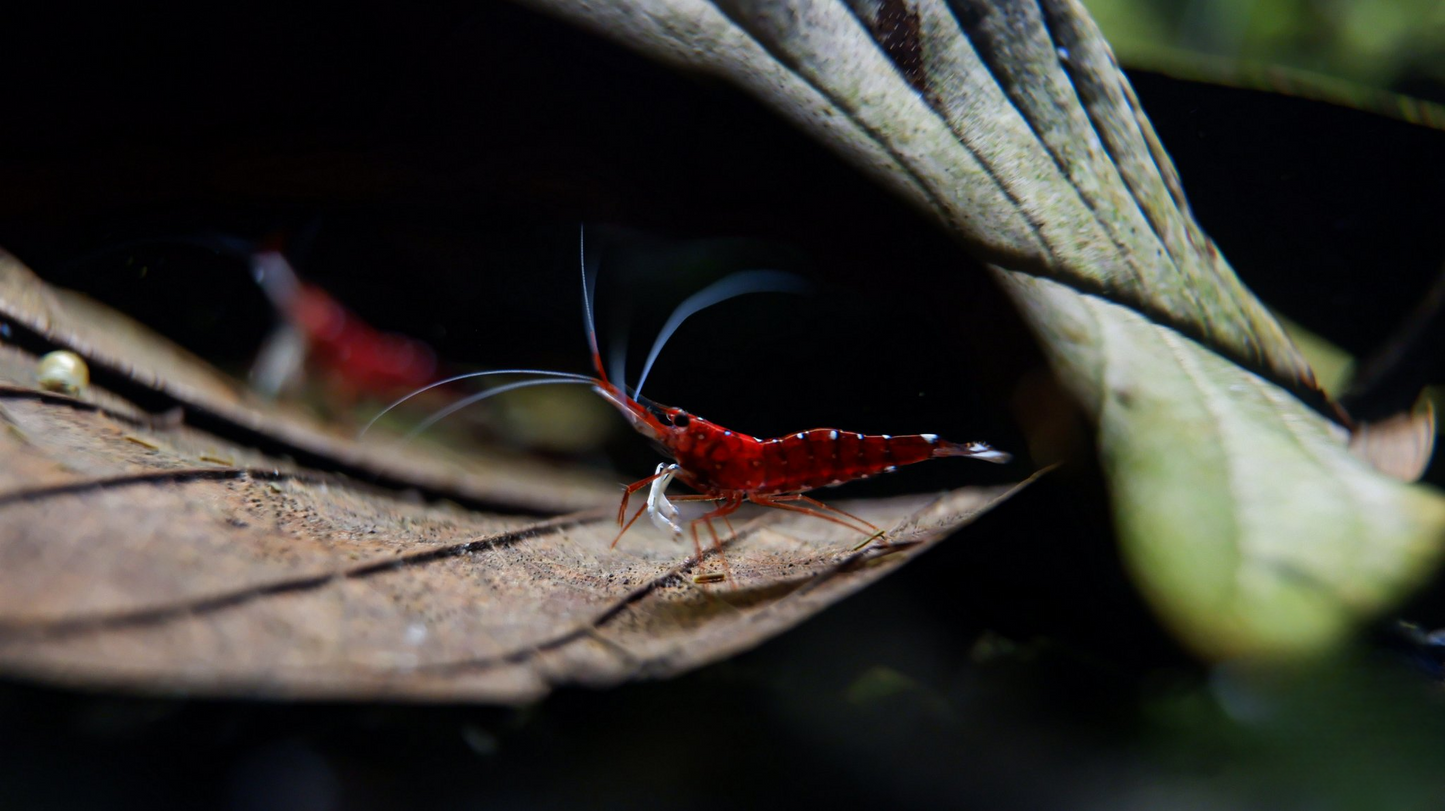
818 510
728 507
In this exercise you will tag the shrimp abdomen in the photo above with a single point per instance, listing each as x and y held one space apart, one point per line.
826 456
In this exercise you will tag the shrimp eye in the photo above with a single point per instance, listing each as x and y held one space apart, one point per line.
680 419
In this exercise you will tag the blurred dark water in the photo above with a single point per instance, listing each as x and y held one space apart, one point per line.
430 167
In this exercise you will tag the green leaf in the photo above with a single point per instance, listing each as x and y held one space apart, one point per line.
1245 519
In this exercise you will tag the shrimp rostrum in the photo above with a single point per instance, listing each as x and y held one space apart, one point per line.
726 467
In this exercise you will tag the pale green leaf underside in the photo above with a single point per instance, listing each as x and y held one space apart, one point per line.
1245 520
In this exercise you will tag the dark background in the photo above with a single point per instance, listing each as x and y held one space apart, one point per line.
430 167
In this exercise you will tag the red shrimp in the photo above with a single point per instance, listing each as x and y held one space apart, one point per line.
358 357
729 467
368 359
725 466
315 328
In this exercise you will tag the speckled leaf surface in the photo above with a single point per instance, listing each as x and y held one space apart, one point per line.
1245 521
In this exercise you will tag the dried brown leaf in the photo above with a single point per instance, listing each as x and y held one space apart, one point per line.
1400 445
141 551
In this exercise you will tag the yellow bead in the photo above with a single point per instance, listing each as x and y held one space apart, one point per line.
62 372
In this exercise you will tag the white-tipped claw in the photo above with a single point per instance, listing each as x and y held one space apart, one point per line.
663 512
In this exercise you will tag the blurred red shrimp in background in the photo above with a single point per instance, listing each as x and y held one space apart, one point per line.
321 347
353 358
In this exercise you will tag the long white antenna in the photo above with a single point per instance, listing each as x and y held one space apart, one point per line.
587 292
731 286
617 359
482 395
558 377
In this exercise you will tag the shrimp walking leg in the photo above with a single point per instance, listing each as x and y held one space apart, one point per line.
693 497
817 510
727 508
627 496
628 525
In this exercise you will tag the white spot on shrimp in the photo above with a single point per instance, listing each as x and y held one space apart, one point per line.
929 438
415 633
832 434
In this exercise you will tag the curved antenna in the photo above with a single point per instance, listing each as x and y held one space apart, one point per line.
617 348
730 286
556 376
482 395
617 360
587 294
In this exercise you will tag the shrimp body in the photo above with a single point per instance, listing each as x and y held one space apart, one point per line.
357 357
366 358
721 462
730 467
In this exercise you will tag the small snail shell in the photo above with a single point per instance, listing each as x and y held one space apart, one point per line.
62 372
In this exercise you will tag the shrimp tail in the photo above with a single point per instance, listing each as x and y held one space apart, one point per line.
978 450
